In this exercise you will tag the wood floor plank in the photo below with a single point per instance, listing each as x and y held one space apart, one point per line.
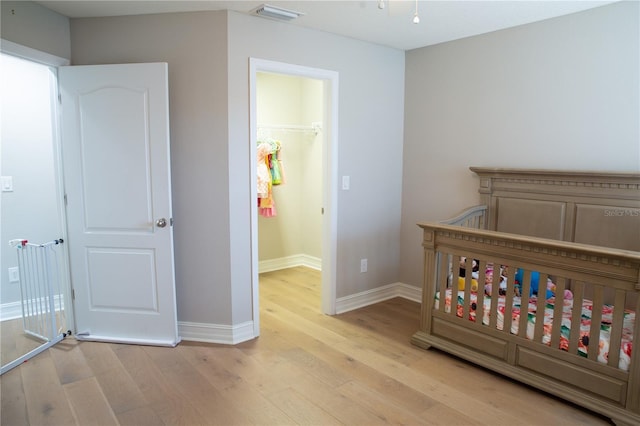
375 379
14 404
70 362
444 415
240 393
116 383
316 367
15 342
89 405
344 408
499 391
165 401
208 401
380 405
46 400
145 416
263 368
302 410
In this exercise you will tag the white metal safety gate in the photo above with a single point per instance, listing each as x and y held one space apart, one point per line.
42 296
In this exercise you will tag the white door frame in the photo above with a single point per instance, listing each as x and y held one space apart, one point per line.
53 62
330 178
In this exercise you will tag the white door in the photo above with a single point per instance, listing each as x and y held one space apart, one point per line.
115 143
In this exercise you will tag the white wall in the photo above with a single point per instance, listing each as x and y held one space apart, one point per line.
27 152
561 93
313 109
297 227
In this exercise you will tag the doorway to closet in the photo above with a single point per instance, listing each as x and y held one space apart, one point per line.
290 179
294 117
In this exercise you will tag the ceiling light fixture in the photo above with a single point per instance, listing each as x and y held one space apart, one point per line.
274 12
380 4
416 18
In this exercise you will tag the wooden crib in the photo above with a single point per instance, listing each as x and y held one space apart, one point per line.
574 235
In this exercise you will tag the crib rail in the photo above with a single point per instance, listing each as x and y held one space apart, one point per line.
471 217
509 323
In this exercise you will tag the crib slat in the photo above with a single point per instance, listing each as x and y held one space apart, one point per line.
576 312
616 329
480 298
467 287
596 320
538 333
558 305
508 300
495 294
454 285
525 288
443 276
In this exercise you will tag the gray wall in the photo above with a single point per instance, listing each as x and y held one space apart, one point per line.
561 93
195 47
34 26
208 58
371 106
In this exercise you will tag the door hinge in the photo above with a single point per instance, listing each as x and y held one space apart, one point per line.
322 210
65 200
73 294
59 98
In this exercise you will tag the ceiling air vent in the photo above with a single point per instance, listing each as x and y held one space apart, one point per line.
278 13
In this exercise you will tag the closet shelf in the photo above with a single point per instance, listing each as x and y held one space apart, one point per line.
314 127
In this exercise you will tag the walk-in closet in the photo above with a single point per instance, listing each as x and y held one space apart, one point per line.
290 183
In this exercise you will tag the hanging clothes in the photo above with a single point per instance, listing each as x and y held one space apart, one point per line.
269 174
280 165
264 175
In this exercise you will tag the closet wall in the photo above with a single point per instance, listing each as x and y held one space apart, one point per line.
294 235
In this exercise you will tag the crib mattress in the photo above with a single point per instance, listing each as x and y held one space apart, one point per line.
585 323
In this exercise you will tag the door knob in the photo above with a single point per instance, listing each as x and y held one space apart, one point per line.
161 223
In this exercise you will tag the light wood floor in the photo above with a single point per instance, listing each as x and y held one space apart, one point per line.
356 368
15 342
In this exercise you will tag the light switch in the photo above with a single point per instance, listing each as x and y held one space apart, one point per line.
7 183
345 182
14 275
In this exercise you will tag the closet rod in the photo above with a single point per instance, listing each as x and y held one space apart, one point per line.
315 127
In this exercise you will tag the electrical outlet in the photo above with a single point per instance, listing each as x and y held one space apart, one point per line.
14 275
363 265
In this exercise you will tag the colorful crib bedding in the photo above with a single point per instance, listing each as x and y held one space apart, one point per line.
585 325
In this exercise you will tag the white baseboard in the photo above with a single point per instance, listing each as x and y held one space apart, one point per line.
290 262
13 310
216 333
369 297
9 311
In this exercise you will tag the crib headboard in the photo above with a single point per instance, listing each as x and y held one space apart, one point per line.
599 208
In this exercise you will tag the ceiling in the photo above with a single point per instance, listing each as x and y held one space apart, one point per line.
440 21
